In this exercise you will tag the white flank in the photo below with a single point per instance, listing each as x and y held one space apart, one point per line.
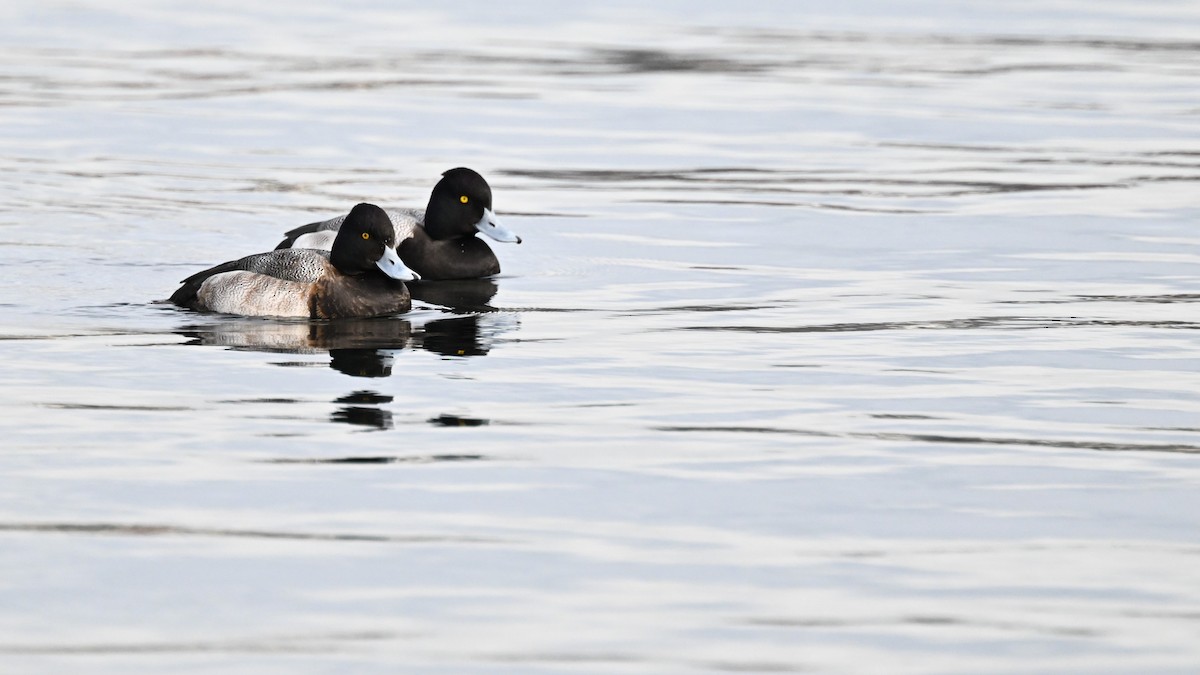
251 294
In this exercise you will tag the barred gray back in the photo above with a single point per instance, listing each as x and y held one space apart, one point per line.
291 264
404 221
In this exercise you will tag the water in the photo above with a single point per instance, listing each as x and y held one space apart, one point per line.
843 339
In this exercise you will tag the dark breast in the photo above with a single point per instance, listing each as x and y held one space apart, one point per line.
344 296
463 258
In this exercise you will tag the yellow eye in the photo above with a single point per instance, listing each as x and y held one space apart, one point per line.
463 199
366 235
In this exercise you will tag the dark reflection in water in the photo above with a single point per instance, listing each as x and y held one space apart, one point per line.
365 347
361 362
453 337
362 414
457 421
462 296
368 347
300 337
368 397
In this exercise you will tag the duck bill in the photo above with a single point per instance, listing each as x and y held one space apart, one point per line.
490 225
395 268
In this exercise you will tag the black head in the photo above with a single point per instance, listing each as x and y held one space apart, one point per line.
363 239
456 204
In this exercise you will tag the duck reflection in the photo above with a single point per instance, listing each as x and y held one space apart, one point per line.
357 347
461 296
361 414
368 347
458 336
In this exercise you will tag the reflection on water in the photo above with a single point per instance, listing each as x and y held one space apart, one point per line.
446 420
357 347
368 347
364 417
458 295
362 362
459 336
299 337
363 414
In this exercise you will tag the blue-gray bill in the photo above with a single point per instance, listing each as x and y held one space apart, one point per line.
395 268
490 225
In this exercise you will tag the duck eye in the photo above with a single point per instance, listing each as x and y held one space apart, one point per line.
366 235
463 199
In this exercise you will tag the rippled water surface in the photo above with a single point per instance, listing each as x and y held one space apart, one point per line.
843 338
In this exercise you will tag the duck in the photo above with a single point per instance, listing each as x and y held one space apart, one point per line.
438 242
360 276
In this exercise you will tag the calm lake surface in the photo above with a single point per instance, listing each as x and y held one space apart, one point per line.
851 337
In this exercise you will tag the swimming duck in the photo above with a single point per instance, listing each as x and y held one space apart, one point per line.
361 276
439 242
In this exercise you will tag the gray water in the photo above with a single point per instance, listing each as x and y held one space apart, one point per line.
844 337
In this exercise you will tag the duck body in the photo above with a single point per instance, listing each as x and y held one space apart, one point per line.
361 276
438 242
